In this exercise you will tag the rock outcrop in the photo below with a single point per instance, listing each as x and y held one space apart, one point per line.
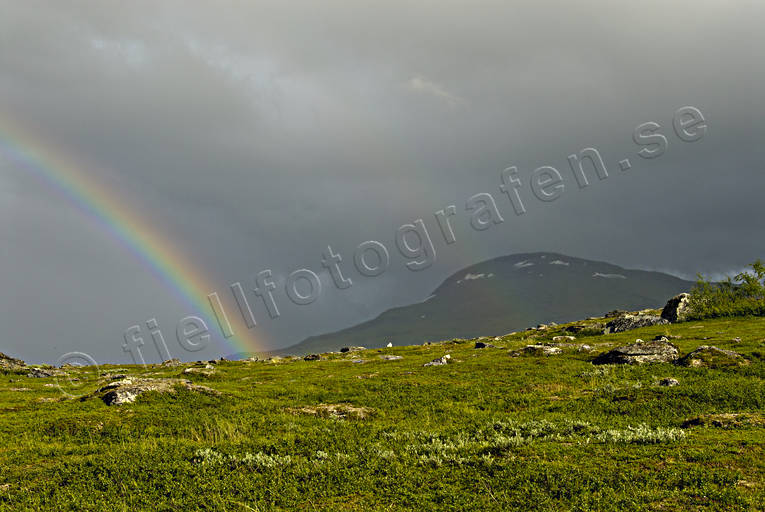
712 357
537 350
676 309
628 322
126 391
10 363
41 373
441 361
640 352
351 349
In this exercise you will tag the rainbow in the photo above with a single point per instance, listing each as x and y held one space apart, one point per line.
125 226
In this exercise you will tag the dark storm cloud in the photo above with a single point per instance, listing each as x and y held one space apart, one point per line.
254 134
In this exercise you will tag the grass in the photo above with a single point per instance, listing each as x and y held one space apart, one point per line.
485 432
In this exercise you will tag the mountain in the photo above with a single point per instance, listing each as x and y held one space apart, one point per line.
507 294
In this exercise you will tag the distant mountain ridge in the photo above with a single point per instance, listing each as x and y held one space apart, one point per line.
506 294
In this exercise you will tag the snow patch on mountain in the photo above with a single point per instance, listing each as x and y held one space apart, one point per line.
560 262
473 277
609 276
524 264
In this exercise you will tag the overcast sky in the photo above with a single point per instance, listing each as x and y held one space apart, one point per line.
254 134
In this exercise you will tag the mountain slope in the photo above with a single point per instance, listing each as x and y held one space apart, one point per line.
507 294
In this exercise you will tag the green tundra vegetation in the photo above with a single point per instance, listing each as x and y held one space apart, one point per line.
362 430
742 295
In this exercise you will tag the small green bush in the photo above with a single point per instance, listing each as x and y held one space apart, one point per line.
743 295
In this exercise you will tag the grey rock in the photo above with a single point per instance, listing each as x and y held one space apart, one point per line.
127 391
391 357
441 361
481 344
10 363
669 382
41 373
351 349
676 309
312 357
207 371
712 357
629 322
537 350
640 352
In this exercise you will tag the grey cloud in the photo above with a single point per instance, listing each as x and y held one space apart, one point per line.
254 134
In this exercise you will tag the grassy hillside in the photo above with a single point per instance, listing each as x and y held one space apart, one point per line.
506 294
487 431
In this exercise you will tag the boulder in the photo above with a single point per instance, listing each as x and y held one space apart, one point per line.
629 322
441 361
669 382
564 338
312 357
10 363
391 357
579 347
171 363
590 329
41 373
537 350
481 344
712 357
207 371
127 391
640 352
351 349
676 309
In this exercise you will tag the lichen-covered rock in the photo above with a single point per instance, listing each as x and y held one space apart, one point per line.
564 338
676 309
629 322
171 362
126 391
640 352
206 371
41 373
537 350
579 347
712 357
586 329
10 363
441 361
669 382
